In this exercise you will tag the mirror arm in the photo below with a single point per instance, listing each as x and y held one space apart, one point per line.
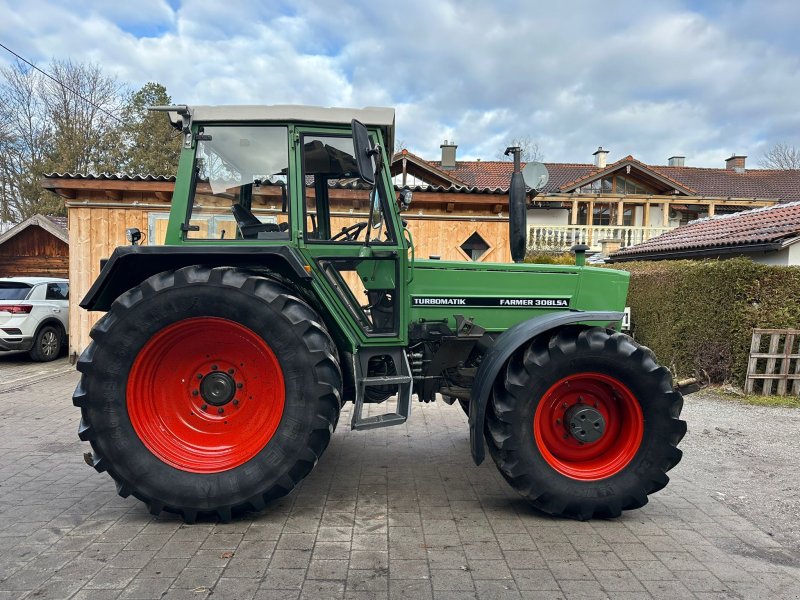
369 218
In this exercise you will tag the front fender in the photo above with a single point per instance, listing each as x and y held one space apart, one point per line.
505 345
130 265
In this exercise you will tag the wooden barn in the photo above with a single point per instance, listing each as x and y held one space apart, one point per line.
37 247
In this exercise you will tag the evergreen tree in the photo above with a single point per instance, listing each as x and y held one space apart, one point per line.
152 146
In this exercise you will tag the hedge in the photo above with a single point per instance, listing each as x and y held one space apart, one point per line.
700 314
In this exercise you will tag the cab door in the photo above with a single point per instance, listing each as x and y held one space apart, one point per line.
351 236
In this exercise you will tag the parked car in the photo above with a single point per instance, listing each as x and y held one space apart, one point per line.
34 315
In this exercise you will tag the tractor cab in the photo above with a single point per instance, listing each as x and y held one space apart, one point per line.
270 178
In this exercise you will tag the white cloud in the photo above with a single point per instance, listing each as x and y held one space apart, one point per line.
648 79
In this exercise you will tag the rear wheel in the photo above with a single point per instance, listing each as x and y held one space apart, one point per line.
208 391
584 423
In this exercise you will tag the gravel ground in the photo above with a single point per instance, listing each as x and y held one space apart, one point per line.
746 457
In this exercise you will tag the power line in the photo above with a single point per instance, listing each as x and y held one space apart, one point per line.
78 94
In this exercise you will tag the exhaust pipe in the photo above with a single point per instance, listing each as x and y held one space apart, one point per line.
517 217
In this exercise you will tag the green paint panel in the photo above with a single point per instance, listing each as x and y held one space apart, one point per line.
498 296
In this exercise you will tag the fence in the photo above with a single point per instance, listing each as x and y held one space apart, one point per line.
563 237
774 357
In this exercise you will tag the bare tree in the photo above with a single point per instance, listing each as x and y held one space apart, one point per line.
23 146
86 137
781 156
47 126
529 149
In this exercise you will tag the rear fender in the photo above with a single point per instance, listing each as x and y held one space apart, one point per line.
505 345
131 265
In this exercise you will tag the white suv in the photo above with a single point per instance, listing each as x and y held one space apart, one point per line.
33 315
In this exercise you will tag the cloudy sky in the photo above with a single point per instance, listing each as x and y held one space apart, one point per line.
652 79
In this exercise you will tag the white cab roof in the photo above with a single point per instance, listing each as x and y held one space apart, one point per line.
371 116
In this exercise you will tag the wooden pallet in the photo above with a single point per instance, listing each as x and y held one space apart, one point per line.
780 363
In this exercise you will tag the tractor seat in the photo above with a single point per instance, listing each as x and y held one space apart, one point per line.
249 224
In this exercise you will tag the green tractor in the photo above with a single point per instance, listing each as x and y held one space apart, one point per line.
216 377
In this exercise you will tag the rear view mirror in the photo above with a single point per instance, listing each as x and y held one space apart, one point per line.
365 152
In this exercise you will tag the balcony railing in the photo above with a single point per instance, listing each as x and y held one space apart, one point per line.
563 237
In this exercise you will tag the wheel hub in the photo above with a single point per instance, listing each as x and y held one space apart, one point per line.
217 388
585 423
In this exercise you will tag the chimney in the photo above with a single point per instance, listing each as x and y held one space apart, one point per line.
600 157
676 161
735 163
448 155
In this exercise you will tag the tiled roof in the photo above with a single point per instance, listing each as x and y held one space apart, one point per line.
753 183
489 176
773 224
497 174
630 162
783 185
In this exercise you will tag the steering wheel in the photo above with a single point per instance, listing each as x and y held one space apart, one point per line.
351 232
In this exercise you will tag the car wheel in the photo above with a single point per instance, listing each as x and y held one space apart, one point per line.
47 344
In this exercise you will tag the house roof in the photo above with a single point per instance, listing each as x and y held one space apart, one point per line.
419 167
57 226
752 183
478 176
495 174
657 179
781 185
766 228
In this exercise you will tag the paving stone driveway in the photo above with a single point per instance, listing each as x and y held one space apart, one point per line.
395 513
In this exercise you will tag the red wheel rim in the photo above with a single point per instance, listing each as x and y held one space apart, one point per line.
174 419
624 426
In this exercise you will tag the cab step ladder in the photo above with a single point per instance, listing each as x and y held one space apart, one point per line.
402 380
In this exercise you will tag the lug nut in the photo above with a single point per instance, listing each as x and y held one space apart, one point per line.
204 406
213 367
235 402
230 371
239 386
220 411
199 375
195 392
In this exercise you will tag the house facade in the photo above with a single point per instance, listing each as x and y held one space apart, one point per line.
607 206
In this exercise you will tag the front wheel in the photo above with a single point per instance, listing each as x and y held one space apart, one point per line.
584 423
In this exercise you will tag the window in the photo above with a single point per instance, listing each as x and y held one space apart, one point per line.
475 246
13 290
57 291
605 214
598 186
329 168
240 184
626 185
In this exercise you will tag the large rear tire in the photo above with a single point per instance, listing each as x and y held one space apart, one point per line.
208 392
584 423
